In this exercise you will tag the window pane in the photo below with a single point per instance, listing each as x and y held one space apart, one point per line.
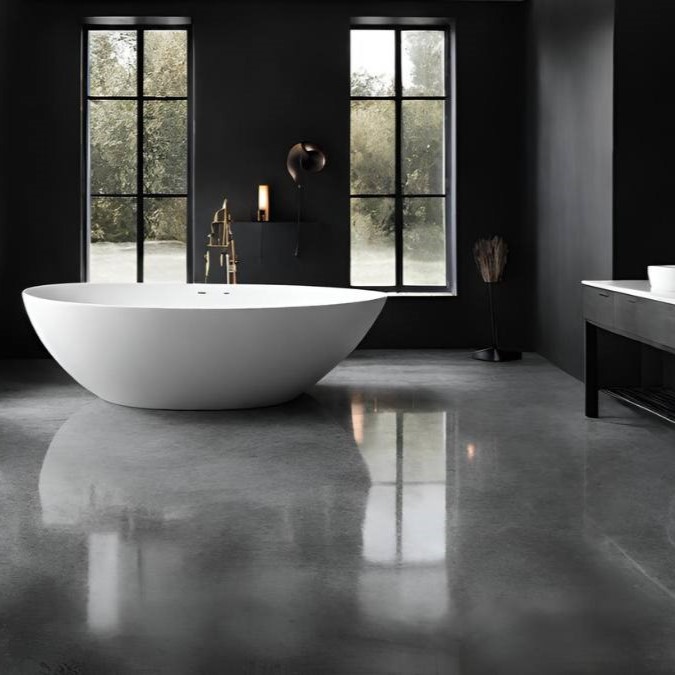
379 526
423 523
373 147
378 446
112 254
165 63
424 447
422 62
165 146
112 138
112 63
164 250
423 156
373 254
372 62
424 242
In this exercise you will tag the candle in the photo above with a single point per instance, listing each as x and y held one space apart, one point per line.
263 202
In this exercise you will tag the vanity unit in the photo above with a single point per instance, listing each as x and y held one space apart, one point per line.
632 310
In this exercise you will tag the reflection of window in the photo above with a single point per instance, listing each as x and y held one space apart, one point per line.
103 602
136 146
401 215
406 513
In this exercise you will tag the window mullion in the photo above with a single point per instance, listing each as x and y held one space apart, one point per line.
399 486
398 201
190 148
449 137
140 63
85 163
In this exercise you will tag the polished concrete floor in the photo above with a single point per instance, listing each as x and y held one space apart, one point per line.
417 513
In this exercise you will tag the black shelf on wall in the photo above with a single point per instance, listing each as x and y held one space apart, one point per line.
266 251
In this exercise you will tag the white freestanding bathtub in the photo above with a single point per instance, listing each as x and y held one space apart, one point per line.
199 346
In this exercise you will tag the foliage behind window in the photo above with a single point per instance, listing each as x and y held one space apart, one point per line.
398 158
122 202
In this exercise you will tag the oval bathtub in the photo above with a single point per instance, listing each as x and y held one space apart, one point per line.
199 346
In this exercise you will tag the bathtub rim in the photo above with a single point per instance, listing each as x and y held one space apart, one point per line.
361 295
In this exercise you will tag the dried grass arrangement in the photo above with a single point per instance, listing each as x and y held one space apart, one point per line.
490 256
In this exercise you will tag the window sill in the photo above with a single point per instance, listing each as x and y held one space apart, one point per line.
421 294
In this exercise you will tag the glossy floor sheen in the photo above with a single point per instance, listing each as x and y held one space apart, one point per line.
417 513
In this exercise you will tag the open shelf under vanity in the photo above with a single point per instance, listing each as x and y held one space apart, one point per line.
659 401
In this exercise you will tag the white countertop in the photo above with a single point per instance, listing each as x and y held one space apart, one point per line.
638 287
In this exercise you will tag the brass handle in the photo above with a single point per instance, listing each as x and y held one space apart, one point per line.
603 295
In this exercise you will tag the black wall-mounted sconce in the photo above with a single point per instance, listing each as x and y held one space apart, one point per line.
307 158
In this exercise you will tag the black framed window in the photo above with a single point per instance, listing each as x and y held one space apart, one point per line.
401 143
137 149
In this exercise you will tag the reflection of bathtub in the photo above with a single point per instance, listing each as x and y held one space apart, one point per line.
106 464
196 346
197 519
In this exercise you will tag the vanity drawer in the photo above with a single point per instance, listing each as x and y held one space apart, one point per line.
668 333
647 319
599 306
632 315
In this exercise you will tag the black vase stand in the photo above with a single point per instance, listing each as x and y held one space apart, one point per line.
495 354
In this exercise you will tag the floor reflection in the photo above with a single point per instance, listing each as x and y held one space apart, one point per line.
406 456
247 522
109 463
405 576
630 507
419 513
103 581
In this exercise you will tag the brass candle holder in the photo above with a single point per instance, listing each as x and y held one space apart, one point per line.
263 203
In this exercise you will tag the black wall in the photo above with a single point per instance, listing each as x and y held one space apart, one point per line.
644 152
41 232
268 75
570 175
5 20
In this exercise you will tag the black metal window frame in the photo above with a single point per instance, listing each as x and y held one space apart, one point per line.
398 26
139 25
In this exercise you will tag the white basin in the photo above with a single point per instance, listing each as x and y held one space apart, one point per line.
662 277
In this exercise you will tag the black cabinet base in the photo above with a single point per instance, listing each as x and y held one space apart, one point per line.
496 354
642 321
591 369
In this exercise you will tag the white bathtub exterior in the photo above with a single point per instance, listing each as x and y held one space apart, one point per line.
198 346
